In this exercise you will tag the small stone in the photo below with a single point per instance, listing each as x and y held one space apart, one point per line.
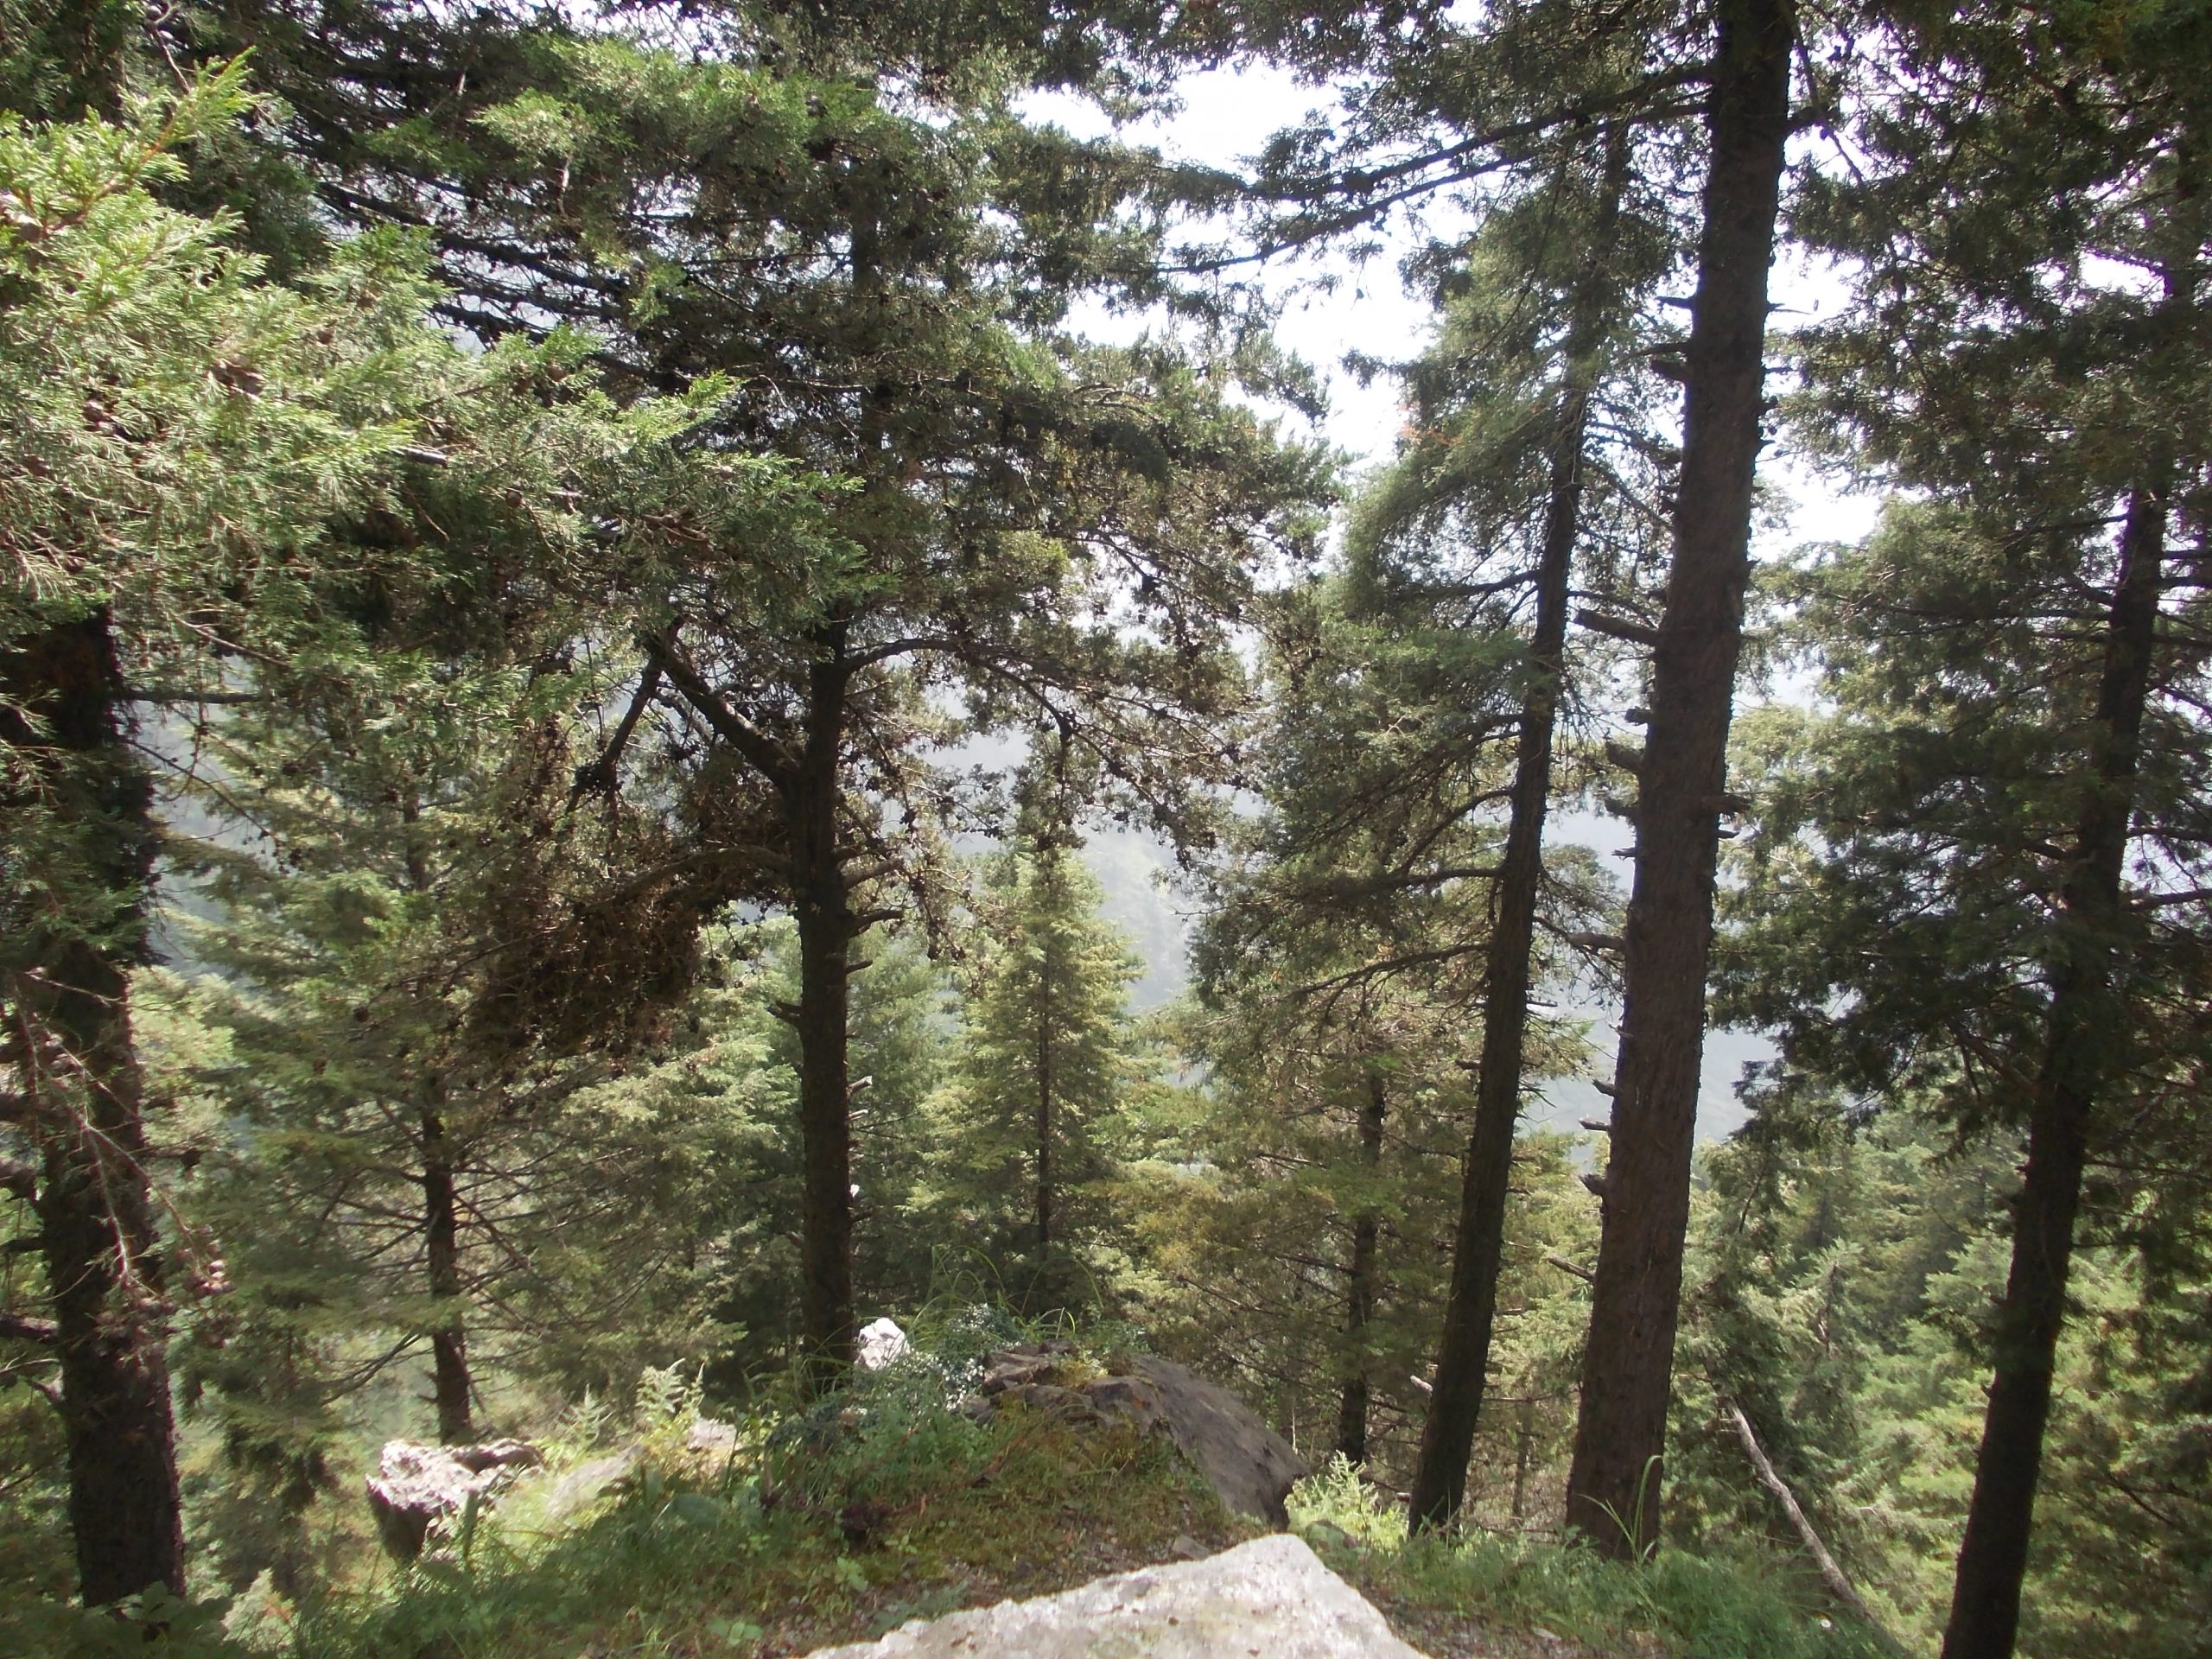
881 1345
1187 1548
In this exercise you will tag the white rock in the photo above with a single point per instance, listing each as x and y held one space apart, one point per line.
1271 1597
711 1435
589 1482
881 1345
418 1486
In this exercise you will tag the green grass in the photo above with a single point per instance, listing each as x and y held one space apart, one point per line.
869 1510
1756 1606
882 1505
817 1544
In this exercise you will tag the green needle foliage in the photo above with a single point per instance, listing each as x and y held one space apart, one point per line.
569 575
1045 1060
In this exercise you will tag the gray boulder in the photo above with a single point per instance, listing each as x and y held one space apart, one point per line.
1247 1463
712 1435
1272 1597
416 1486
1250 1465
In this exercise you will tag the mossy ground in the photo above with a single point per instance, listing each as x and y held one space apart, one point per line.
800 1546
874 1510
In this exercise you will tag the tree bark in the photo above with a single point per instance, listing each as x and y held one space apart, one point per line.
450 1384
2083 1020
1044 1125
75 1047
826 929
1524 1436
1478 1249
1613 1487
1360 1281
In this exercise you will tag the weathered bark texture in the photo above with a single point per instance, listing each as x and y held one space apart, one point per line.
73 1042
827 927
1478 1247
1613 1485
1044 1125
2083 1020
450 1385
1360 1281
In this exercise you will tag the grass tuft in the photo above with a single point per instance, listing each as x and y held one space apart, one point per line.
1517 1593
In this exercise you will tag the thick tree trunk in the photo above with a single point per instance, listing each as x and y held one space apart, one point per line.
2082 1022
1478 1249
1360 1281
826 929
450 1385
74 1045
1613 1487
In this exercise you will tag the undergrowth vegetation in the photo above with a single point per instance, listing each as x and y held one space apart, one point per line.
879 1505
887 1502
1519 1589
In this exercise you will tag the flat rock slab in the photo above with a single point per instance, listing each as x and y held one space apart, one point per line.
1271 1598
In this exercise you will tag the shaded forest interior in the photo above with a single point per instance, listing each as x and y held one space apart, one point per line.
583 587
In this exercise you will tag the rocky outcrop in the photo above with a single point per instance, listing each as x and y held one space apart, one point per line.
1272 1597
1247 1463
1250 1465
417 1487
711 1436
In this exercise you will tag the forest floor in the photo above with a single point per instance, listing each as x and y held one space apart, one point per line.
846 1524
811 1540
883 1505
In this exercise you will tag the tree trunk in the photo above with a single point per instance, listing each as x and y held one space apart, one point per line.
1613 1487
2083 1021
1831 1571
826 929
449 1380
1478 1249
1359 1281
74 1048
1524 1436
1044 1126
